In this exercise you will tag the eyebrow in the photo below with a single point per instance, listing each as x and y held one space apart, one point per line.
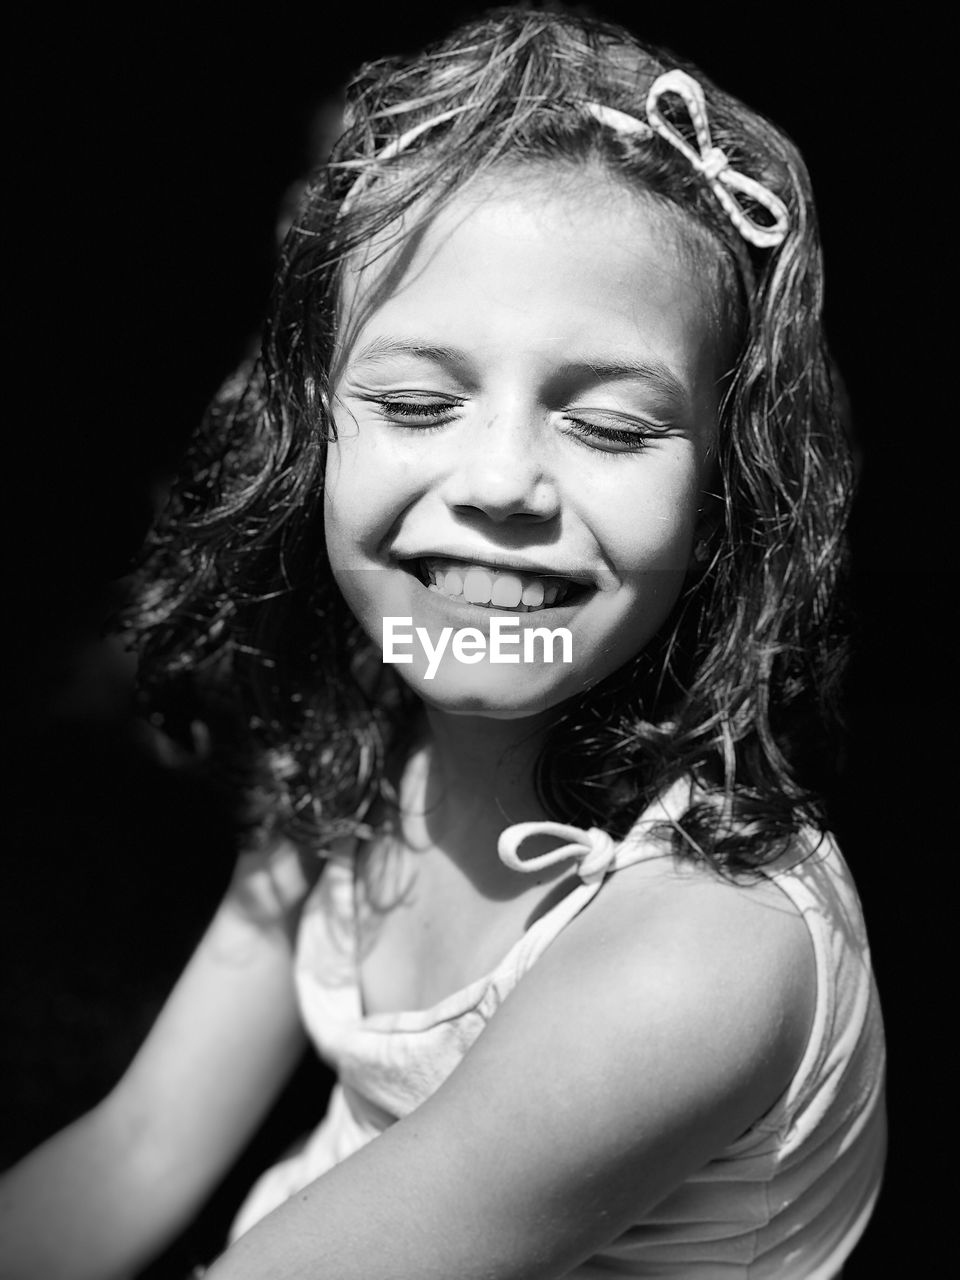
384 348
601 370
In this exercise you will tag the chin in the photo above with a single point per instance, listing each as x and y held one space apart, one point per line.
494 692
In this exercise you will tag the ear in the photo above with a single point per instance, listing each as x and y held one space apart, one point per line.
699 555
705 534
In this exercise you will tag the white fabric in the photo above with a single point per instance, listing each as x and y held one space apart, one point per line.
788 1200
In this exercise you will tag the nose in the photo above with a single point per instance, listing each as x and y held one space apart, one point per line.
502 471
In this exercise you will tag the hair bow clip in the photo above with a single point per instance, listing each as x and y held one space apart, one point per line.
712 162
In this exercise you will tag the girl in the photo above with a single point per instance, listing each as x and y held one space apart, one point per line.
504 582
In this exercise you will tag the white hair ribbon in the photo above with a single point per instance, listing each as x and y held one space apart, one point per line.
712 162
705 158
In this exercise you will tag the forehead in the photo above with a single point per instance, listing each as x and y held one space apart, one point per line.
538 263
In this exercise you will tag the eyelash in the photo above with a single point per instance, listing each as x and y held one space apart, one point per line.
400 409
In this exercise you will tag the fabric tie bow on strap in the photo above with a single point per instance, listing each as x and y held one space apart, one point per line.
594 850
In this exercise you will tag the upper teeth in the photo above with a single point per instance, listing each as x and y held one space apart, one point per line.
479 584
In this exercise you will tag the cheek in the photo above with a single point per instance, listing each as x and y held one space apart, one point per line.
650 527
365 491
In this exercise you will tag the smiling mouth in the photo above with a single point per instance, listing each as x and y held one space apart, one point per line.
478 584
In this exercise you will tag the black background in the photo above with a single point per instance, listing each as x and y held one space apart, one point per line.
154 151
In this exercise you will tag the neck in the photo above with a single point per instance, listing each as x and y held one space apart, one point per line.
467 779
485 766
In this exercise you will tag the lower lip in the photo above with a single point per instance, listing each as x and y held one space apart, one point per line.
464 614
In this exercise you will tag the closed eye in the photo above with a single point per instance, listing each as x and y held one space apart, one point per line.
424 414
618 439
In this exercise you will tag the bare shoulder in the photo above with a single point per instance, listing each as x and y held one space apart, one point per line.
673 964
686 928
688 917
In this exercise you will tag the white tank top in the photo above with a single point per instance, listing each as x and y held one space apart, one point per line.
787 1201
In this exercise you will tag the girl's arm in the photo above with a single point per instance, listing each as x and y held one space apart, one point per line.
107 1193
651 1034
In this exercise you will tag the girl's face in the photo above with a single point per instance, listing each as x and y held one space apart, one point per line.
525 400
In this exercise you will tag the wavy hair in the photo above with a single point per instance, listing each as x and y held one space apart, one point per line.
236 610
